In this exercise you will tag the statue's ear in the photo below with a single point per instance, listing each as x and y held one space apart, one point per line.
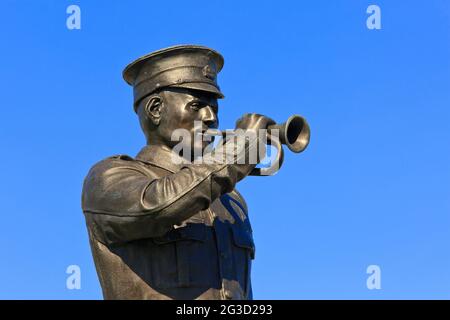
153 109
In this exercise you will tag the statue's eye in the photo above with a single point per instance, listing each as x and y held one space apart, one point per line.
195 106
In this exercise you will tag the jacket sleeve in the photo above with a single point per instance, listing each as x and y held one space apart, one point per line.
122 202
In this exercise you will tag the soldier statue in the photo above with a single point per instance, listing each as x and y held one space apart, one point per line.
160 225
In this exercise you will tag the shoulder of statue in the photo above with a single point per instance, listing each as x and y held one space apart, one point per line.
115 161
112 164
124 157
109 178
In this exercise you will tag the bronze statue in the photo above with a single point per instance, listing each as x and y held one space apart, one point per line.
162 226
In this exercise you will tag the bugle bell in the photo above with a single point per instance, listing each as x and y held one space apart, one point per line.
294 133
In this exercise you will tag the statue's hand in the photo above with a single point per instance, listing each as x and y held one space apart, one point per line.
254 121
257 123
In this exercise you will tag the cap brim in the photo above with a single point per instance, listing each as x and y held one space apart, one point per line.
200 86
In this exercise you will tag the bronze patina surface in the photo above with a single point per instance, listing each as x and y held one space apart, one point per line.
160 225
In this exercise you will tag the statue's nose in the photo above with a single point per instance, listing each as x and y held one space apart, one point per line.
209 117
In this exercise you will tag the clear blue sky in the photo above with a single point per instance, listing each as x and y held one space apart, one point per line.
372 188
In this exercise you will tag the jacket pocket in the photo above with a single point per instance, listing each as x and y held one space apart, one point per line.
185 257
243 238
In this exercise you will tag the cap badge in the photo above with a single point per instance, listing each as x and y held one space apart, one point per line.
208 72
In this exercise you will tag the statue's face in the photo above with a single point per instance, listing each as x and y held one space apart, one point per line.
181 108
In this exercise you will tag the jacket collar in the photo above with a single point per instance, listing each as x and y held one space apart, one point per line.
163 157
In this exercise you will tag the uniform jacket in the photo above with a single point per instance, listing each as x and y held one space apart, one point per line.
165 230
